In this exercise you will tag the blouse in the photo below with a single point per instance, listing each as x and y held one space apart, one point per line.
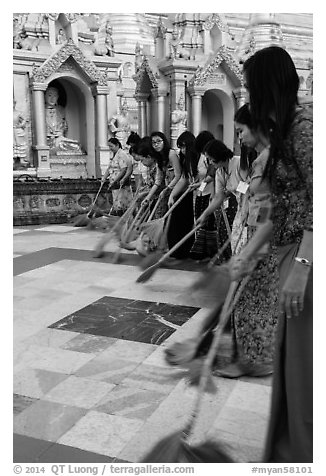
291 194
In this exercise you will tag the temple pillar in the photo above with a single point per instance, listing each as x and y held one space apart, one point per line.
160 108
41 148
102 151
196 109
141 98
241 96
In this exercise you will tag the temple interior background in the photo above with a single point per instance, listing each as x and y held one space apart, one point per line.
114 73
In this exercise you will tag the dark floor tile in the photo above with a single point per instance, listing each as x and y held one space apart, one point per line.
21 402
67 454
29 261
27 449
139 321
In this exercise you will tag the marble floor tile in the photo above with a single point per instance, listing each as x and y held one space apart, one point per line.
50 338
148 377
27 449
130 402
88 343
57 228
128 350
78 392
19 230
67 454
52 359
239 426
249 396
47 420
21 402
173 415
110 370
101 433
36 382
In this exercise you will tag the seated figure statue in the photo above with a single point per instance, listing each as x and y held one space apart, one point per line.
56 125
19 139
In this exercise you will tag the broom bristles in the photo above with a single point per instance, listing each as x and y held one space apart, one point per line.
181 353
195 371
173 449
147 274
83 220
154 230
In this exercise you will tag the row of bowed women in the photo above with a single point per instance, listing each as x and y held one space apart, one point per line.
257 210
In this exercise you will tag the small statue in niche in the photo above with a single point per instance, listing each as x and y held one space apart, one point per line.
120 124
19 139
177 51
56 125
61 37
179 117
104 44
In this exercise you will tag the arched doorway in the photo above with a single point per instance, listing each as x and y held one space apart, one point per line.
217 115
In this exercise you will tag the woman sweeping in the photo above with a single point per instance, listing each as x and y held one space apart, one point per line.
205 244
273 83
255 315
182 217
226 183
169 163
118 173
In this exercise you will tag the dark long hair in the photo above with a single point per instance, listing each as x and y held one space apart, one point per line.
164 155
133 138
144 149
247 154
273 84
202 139
218 151
115 141
189 160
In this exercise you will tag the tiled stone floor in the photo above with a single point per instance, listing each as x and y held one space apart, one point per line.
90 380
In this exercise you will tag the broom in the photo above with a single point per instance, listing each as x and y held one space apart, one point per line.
84 219
98 252
151 269
154 228
205 280
197 365
174 448
126 234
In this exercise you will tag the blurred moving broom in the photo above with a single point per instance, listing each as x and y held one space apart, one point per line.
111 232
131 231
196 366
147 274
211 272
154 228
83 220
174 448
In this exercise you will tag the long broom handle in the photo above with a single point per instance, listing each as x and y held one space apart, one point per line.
155 207
141 213
233 295
177 245
226 244
226 221
170 210
96 197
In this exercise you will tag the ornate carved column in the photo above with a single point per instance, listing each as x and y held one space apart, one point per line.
196 109
41 147
141 98
102 151
241 96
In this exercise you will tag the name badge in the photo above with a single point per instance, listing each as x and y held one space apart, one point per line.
202 187
226 204
242 187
